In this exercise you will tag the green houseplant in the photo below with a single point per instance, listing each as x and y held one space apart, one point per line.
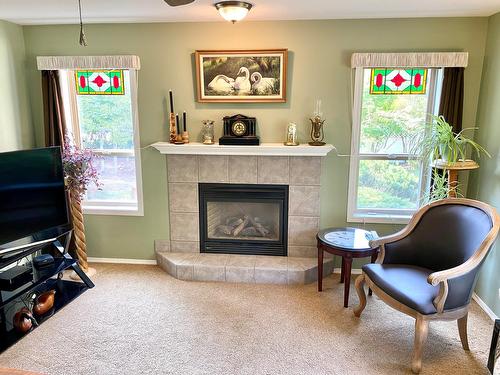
448 151
440 142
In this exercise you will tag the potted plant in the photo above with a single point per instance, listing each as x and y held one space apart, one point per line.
439 142
447 151
79 173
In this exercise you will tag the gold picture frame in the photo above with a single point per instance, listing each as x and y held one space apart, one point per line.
241 76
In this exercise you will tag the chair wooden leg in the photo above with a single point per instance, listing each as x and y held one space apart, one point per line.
359 284
462 330
421 331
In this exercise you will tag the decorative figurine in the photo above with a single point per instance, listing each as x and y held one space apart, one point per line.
317 134
208 132
291 135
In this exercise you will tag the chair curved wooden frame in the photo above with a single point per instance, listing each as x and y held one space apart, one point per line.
436 278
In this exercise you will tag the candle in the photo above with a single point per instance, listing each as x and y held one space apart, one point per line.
171 101
184 120
177 123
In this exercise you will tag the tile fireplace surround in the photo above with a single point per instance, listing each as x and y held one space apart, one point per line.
299 167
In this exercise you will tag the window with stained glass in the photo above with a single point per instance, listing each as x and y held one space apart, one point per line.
398 81
387 180
99 82
101 106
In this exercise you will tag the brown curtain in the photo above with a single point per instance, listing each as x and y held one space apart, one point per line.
54 123
452 97
53 111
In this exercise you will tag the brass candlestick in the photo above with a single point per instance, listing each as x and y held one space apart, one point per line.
317 133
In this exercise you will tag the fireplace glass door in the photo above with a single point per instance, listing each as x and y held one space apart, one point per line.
243 219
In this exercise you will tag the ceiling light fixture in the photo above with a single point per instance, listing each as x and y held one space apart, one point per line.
233 11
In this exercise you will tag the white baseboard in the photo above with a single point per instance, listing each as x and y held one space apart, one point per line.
354 271
484 306
122 261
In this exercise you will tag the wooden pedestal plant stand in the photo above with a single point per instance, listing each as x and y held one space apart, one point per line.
79 173
453 168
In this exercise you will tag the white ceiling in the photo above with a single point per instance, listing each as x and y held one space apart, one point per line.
94 11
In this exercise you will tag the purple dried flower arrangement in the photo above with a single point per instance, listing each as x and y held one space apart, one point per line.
79 170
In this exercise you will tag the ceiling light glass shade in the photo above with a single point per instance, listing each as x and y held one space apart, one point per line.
233 11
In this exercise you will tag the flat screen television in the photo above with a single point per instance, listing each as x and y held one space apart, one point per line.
33 207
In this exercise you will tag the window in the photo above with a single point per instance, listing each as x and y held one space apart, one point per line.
391 107
101 107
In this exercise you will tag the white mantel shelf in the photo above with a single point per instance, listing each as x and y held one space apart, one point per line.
264 149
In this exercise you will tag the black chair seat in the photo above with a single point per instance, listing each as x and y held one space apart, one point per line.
406 284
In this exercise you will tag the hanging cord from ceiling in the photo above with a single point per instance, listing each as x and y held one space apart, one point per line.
83 38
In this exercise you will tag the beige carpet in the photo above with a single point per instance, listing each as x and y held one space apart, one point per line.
139 320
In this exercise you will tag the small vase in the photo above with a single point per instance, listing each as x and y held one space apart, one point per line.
44 302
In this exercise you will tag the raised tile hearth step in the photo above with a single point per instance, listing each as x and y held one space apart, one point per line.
242 268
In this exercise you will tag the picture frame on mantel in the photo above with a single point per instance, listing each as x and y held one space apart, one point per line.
241 76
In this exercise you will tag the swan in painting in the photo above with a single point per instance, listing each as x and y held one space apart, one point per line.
242 83
262 85
221 83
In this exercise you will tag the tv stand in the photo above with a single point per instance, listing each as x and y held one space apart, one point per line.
44 279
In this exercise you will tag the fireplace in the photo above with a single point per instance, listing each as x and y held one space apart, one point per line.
243 219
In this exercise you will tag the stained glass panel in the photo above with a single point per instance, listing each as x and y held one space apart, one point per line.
398 81
99 82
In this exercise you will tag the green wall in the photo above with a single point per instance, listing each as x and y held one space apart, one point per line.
319 67
16 131
485 183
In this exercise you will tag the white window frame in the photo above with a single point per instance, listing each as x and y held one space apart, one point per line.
109 207
392 216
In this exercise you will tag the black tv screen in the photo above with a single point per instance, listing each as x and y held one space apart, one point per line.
32 194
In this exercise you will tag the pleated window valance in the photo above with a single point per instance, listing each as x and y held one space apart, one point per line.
88 62
410 60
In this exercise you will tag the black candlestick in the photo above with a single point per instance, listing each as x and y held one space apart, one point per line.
184 120
171 101
177 123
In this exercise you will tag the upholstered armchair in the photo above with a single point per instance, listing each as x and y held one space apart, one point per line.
429 269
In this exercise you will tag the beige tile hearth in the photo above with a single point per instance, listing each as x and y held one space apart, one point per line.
185 247
210 267
242 268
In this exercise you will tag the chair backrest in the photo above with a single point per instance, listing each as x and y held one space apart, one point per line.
447 234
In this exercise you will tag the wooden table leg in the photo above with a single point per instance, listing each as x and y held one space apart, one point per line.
373 259
342 271
347 279
320 269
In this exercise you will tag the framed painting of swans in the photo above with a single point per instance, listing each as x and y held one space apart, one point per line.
251 76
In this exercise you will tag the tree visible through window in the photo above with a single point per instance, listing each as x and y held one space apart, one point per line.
385 179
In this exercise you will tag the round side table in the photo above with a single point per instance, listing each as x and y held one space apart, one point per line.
349 243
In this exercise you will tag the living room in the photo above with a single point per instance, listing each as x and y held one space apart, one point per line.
181 274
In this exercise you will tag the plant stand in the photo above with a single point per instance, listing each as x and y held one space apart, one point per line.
453 169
